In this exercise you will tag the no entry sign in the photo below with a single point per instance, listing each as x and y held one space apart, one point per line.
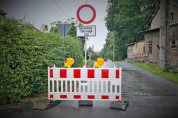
81 8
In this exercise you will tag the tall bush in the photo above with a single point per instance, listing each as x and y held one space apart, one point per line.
25 55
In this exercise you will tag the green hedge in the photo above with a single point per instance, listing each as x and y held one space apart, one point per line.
25 55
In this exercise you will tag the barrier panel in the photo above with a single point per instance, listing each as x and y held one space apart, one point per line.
84 84
138 58
173 61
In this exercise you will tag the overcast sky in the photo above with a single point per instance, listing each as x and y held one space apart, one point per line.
39 12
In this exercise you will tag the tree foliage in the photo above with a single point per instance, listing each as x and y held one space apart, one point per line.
91 55
72 31
126 18
107 51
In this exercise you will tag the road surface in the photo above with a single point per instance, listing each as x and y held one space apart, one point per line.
149 97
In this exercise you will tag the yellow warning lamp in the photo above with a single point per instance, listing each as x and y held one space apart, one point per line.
70 62
96 65
99 63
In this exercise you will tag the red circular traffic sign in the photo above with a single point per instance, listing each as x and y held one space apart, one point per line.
93 10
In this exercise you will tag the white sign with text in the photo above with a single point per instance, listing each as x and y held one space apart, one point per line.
89 30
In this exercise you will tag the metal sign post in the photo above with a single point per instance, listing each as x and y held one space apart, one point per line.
63 44
86 36
85 31
64 29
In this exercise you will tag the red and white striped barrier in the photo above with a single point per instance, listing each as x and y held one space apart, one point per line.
138 56
84 84
175 58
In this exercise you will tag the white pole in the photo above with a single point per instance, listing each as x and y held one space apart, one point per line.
85 50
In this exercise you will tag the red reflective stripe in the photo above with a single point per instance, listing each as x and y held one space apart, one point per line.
117 73
91 97
117 97
51 96
76 73
51 73
105 73
63 96
63 73
91 73
77 96
105 97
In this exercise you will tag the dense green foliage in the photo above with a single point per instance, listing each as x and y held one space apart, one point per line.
25 55
107 51
126 18
91 55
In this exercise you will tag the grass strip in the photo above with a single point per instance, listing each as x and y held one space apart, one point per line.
156 70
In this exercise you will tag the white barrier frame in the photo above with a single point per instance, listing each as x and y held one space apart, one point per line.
101 92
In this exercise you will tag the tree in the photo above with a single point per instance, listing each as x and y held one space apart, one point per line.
107 51
126 18
72 31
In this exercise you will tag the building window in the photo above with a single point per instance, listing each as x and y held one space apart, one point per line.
172 16
173 43
150 47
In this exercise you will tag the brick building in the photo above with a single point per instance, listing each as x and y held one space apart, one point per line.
174 33
135 50
151 48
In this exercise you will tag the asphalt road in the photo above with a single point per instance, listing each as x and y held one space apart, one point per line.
149 97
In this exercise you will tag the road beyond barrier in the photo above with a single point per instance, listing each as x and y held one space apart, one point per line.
84 84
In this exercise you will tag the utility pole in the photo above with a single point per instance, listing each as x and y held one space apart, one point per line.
164 35
167 35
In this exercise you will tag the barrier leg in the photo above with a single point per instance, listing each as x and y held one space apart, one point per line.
85 103
121 105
